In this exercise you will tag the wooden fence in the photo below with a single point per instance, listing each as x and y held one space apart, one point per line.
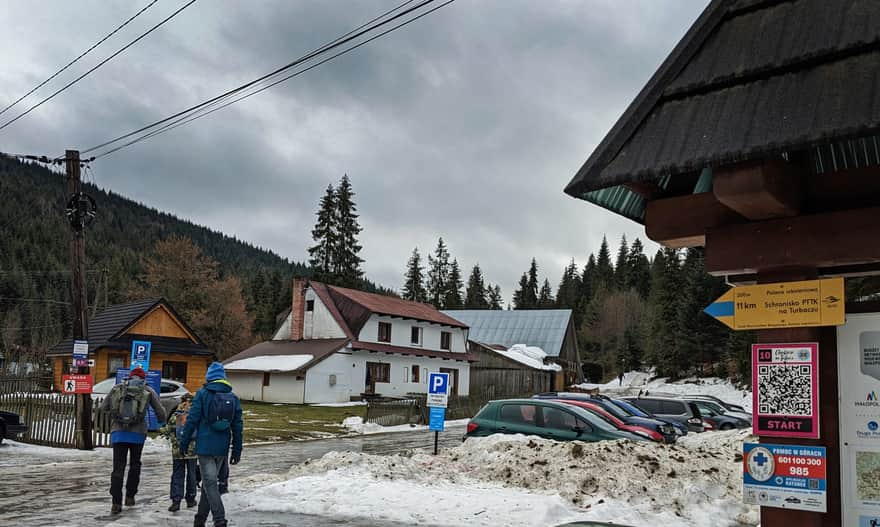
39 383
392 412
51 419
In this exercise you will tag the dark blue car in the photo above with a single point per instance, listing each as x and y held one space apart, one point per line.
680 429
665 429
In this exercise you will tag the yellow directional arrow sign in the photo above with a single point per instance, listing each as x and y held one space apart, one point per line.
782 305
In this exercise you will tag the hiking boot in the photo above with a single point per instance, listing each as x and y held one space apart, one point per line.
129 501
221 523
223 489
116 508
190 503
175 506
198 522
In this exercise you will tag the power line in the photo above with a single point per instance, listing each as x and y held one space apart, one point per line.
182 117
194 115
81 55
108 59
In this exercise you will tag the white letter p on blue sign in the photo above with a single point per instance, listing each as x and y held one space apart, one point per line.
438 383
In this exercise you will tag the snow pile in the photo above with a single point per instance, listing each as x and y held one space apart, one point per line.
531 356
270 363
518 480
357 425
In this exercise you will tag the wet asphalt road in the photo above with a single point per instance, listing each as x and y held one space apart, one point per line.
72 489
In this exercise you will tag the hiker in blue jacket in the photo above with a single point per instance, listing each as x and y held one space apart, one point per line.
215 417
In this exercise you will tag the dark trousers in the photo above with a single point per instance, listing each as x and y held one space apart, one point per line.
223 476
210 501
121 451
184 470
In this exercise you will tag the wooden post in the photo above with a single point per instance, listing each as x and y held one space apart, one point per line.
828 410
79 297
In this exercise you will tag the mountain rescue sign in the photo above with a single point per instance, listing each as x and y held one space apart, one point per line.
808 303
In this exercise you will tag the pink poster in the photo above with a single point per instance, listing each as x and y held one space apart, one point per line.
785 390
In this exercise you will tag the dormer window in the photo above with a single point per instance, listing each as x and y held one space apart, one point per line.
416 336
384 332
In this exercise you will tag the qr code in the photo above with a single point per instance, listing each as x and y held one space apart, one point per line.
785 389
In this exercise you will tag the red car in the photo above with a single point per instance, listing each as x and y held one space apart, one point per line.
620 425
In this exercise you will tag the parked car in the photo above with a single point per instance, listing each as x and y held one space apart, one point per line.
170 392
730 406
718 415
719 408
544 418
11 425
684 412
680 429
647 433
629 418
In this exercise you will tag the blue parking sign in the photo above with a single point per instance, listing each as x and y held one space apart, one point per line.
436 418
438 383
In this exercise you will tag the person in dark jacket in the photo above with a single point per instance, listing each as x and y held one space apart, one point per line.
213 440
128 440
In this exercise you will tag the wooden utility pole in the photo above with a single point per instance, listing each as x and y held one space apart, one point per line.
79 295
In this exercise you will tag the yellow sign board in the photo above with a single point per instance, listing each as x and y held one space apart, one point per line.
783 305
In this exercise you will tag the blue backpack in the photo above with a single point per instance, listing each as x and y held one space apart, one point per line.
221 411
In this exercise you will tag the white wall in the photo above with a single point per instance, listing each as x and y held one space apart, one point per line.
401 332
283 387
399 385
320 324
318 387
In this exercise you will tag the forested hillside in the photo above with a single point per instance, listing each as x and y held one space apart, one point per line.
34 257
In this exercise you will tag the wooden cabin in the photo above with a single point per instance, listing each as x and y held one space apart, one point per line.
176 350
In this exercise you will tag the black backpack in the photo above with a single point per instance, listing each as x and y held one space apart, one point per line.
221 411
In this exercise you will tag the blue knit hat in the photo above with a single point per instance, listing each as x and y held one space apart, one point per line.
215 372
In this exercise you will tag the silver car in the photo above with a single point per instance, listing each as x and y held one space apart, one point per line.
170 392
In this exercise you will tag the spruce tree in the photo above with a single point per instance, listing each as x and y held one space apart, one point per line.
604 270
475 294
639 270
569 292
621 266
453 298
347 271
495 299
519 296
322 254
701 337
530 295
664 349
438 275
414 286
545 297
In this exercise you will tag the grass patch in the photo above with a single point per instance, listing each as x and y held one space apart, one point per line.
291 422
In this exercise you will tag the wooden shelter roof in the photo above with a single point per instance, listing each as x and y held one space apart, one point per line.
751 79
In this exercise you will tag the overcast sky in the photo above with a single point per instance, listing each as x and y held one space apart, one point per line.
466 124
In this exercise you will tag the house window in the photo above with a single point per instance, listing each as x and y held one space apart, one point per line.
310 305
445 340
453 379
384 332
378 372
266 376
115 361
416 336
176 371
415 374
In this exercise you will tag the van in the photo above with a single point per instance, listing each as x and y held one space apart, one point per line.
684 412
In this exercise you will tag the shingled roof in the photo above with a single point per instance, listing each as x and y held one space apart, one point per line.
750 79
107 328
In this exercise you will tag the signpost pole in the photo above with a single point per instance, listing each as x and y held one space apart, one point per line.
436 440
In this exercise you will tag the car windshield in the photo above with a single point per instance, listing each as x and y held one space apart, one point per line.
594 420
104 386
614 410
634 410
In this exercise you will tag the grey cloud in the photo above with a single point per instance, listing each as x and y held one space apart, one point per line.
466 124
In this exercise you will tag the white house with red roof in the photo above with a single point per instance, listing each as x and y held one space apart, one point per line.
340 344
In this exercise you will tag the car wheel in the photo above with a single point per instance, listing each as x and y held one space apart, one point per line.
2 433
726 427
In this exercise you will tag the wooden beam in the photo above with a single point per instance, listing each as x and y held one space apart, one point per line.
845 189
682 221
759 190
830 239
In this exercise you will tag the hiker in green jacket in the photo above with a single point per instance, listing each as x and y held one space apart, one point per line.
184 464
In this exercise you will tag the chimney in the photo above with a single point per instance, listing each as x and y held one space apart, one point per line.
298 308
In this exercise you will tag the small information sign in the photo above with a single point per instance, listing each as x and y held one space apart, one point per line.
436 418
785 476
786 395
76 383
80 349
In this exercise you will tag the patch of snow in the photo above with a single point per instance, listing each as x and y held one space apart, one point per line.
518 480
341 405
358 426
531 356
270 363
